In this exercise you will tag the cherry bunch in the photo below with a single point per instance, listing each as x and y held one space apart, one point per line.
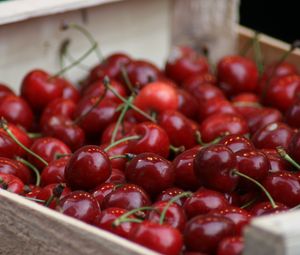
178 160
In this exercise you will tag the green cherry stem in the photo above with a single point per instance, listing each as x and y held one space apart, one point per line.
282 153
127 80
170 202
34 135
215 141
3 124
128 156
252 201
177 150
127 138
33 168
272 202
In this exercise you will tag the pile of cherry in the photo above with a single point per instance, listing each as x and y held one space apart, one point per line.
178 160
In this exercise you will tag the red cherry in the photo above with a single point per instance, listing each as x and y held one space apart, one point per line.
294 147
8 148
5 90
87 168
80 205
117 177
273 135
101 191
151 172
122 131
11 183
187 104
218 124
203 233
237 74
203 201
237 143
169 193
192 83
245 98
292 116
127 196
206 92
213 166
277 163
264 208
69 91
161 238
231 246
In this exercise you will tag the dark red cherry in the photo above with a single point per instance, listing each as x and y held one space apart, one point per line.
69 91
117 176
160 238
48 148
237 143
237 74
277 163
292 116
180 129
151 172
127 196
8 148
192 83
273 135
206 92
213 166
203 201
11 183
80 205
87 168
5 90
203 233
231 246
264 208
294 147
284 187
219 124
101 191
169 193
245 98
187 104
152 139
122 131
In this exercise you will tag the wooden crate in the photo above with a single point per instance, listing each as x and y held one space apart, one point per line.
28 228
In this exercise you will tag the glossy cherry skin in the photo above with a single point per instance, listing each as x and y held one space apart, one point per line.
183 63
237 74
8 148
40 83
123 130
80 205
277 163
11 183
153 139
292 116
151 172
108 216
192 83
237 143
5 90
169 193
69 91
203 233
10 166
273 135
87 168
160 238
127 196
101 191
245 98
231 246
281 93
183 166
54 172
218 124
187 104
206 92
180 129
117 176
284 187
264 208
175 215
47 148
203 201
239 217
213 166
16 110
294 147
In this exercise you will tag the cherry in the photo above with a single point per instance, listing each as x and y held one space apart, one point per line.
69 91
277 163
101 191
80 205
5 90
87 168
180 129
47 148
203 233
233 198
206 92
127 196
32 191
213 166
239 217
218 124
292 116
273 135
170 193
161 238
153 139
151 172
203 201
38 82
183 63
8 148
294 147
245 98
11 183
174 216
264 208
237 74
116 176
183 166
237 143
187 104
122 130
108 216
54 172
16 110
192 83
231 246
284 187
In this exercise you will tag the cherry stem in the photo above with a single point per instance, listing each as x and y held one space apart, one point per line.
282 153
127 80
33 168
62 155
215 141
128 156
57 191
177 150
88 35
272 202
34 135
249 203
126 106
124 217
3 124
127 138
170 202
247 104
106 82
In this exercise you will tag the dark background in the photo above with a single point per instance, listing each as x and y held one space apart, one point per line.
279 19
